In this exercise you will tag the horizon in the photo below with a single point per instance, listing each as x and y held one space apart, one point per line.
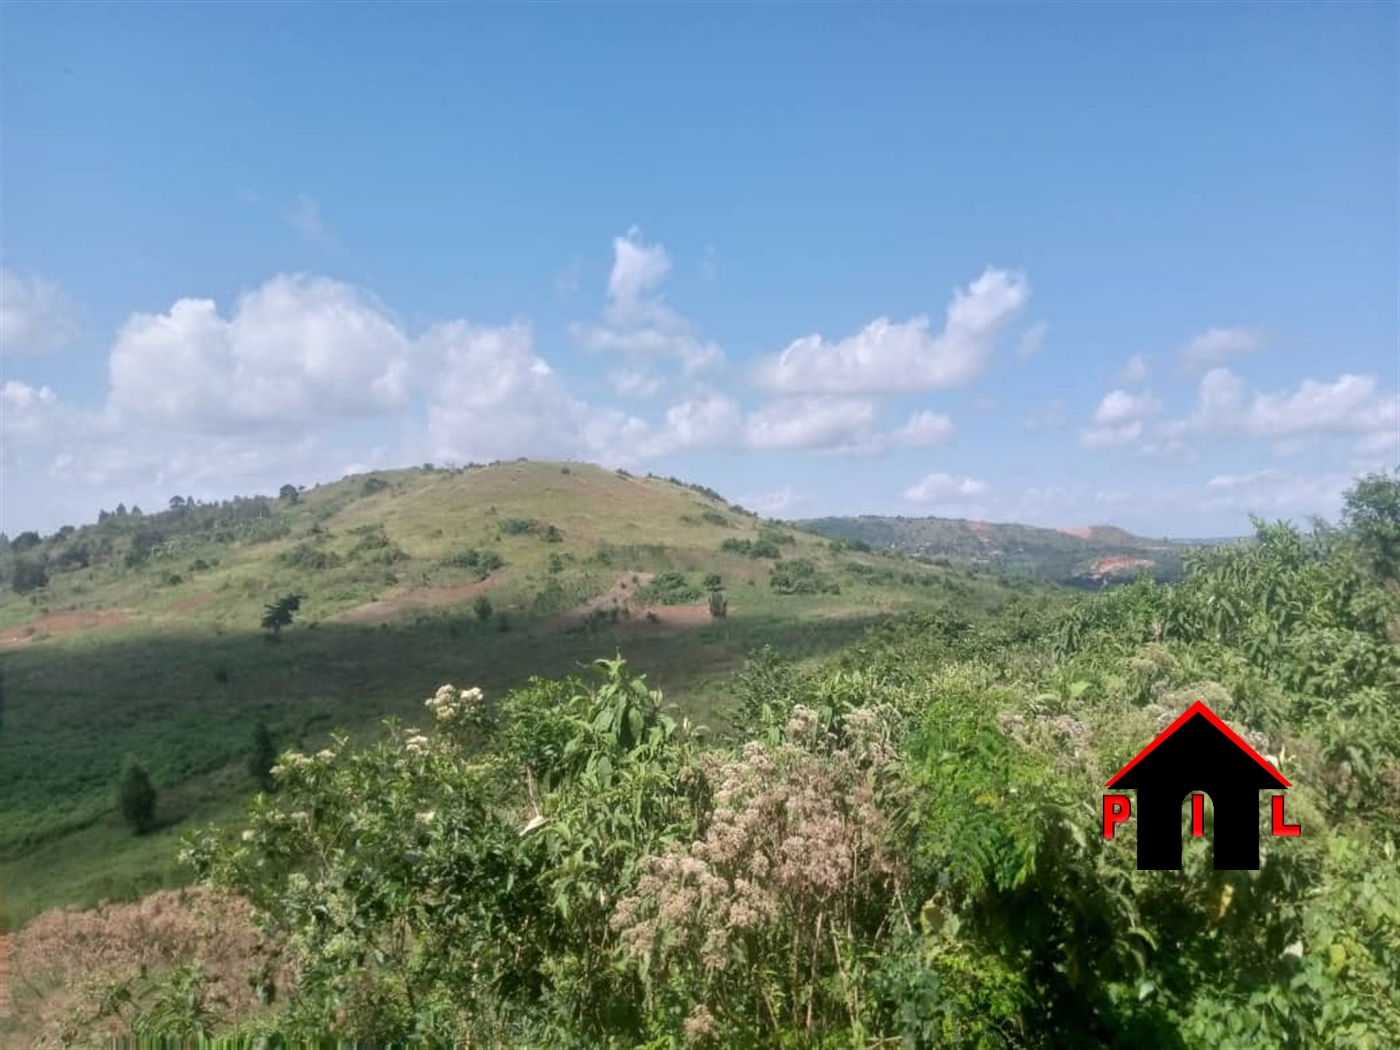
1079 266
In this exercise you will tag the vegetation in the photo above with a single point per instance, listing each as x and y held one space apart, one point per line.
1084 558
278 614
896 843
136 798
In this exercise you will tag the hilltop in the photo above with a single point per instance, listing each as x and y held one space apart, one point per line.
139 635
1084 556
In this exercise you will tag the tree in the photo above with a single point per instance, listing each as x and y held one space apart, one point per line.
262 756
1372 512
482 607
278 614
289 493
121 510
29 575
713 582
177 502
136 798
26 541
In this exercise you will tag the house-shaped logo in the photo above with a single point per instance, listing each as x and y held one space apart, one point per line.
1198 753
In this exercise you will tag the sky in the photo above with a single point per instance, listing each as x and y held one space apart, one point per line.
1061 264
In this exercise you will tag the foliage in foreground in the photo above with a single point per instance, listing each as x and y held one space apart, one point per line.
901 848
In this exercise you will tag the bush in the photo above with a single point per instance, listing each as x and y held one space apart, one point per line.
800 576
262 755
670 588
482 608
761 548
29 575
373 485
719 605
517 526
136 799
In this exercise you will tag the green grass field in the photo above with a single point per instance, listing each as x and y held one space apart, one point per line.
165 663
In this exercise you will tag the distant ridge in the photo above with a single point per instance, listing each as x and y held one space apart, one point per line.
1085 556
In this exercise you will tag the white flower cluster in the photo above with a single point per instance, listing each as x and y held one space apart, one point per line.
450 704
417 744
296 760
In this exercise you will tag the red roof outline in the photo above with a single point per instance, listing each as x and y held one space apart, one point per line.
1199 708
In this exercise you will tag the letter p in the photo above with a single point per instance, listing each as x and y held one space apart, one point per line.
1116 810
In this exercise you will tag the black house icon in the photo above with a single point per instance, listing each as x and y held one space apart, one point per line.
1198 752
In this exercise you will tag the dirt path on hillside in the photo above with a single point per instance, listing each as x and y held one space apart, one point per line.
411 601
189 605
62 623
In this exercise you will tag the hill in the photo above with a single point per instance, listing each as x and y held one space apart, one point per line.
138 636
1083 557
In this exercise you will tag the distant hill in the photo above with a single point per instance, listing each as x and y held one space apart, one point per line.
1086 557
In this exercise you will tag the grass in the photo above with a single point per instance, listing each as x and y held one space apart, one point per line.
181 681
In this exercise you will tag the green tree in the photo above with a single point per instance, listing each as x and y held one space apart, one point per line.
278 614
262 755
136 798
289 493
1372 512
29 575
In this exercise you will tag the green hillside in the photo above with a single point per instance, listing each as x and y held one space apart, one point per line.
139 636
1085 557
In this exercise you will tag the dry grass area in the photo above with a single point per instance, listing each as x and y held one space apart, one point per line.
415 600
64 960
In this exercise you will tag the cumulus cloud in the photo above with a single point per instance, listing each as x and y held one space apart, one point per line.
637 319
293 349
635 383
945 487
773 504
1119 419
1277 492
25 409
1215 345
925 430
35 314
1350 404
889 357
815 423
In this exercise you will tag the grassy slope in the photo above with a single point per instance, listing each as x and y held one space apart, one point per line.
1024 550
78 701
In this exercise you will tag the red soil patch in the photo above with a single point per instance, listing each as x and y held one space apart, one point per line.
981 530
1117 565
415 600
62 623
189 605
1084 532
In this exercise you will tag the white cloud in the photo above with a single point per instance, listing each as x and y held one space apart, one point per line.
1277 492
1135 370
944 487
634 383
1032 340
887 357
1119 406
295 348
638 321
702 422
773 504
1119 419
1350 404
822 423
1219 344
35 314
1383 443
305 218
24 409
924 430
570 278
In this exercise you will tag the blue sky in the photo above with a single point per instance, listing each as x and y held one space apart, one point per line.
1055 263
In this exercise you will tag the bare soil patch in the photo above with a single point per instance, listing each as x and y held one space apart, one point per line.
1084 532
62 623
1117 565
411 601
189 605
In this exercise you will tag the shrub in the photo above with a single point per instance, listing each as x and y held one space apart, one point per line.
372 485
482 608
713 581
670 588
136 798
800 576
28 575
262 755
517 526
